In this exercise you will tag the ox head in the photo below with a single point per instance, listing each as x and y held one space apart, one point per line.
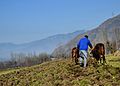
75 52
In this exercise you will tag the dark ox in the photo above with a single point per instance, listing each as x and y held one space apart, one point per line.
75 54
98 52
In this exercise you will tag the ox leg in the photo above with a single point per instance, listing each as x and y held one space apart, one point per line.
76 60
100 60
72 58
104 61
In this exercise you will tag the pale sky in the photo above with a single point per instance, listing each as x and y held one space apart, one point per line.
28 20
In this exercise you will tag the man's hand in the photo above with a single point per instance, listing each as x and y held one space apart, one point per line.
91 49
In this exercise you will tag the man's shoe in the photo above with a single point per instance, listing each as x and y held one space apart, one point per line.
81 64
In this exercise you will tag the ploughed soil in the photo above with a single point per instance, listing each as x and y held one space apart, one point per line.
63 73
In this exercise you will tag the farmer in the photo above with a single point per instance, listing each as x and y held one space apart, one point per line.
83 48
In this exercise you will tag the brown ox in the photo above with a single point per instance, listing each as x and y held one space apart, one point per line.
98 52
75 54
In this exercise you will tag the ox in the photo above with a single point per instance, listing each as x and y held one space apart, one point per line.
75 54
98 52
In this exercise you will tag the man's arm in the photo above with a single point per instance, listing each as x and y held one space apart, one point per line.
90 45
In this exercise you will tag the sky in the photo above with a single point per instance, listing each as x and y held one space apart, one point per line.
23 21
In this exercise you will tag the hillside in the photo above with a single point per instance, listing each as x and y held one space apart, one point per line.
44 45
64 73
107 31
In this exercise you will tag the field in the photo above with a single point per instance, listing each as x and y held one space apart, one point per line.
64 73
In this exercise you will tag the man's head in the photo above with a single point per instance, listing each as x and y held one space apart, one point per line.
86 36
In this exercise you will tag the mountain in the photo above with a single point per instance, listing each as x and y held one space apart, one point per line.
44 45
108 31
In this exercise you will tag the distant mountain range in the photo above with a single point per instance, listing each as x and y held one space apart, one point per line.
108 31
39 46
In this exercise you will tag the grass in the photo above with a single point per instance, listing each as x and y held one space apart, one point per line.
64 73
113 60
9 70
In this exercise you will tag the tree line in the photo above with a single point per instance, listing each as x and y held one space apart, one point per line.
23 60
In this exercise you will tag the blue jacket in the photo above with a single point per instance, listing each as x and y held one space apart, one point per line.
84 43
